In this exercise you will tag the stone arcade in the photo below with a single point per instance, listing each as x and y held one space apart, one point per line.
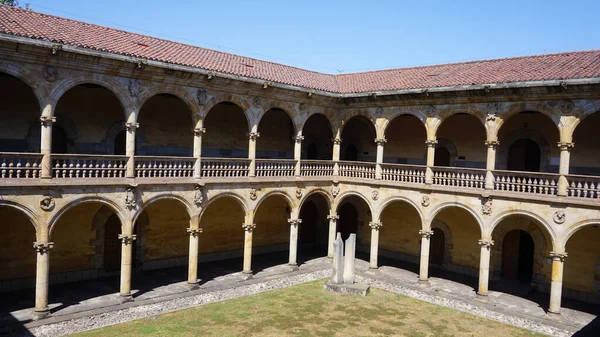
122 153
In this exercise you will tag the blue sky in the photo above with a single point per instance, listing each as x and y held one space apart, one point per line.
351 35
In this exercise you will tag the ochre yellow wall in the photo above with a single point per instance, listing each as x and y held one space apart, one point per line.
276 132
222 226
17 256
465 235
271 221
166 121
467 134
587 143
584 253
400 230
166 235
226 128
72 235
405 138
18 108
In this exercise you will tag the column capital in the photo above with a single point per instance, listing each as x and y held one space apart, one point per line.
199 131
375 225
47 121
425 234
431 142
336 141
380 141
253 135
249 227
558 256
131 126
492 143
194 231
43 247
333 217
127 239
486 243
294 222
566 146
298 139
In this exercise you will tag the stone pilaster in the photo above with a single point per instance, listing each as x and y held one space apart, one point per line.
558 261
332 230
375 226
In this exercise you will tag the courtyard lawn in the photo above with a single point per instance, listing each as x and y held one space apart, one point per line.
309 310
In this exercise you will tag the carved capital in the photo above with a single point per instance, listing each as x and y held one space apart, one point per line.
492 143
199 131
380 141
558 256
486 243
431 142
47 121
337 141
130 127
249 227
333 217
294 222
194 231
253 135
425 234
43 247
127 239
298 139
566 146
375 225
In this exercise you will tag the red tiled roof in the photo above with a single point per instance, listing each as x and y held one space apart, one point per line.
30 24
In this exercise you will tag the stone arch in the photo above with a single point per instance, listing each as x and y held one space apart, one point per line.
161 196
590 108
288 111
355 141
233 99
364 116
420 116
526 214
390 200
226 132
239 199
276 139
340 199
448 242
179 93
311 114
115 87
26 76
98 225
327 195
532 134
289 200
446 114
92 199
534 106
31 215
561 243
436 210
448 145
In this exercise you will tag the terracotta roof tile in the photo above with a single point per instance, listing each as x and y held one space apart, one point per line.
26 23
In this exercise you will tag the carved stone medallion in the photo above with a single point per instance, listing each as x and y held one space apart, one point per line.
201 96
559 217
486 206
47 204
298 193
375 194
253 194
335 190
425 201
130 198
50 74
134 87
198 196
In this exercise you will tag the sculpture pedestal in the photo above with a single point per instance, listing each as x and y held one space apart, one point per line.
356 288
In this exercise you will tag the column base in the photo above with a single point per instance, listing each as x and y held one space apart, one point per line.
373 268
40 314
246 275
125 298
424 283
292 266
193 285
482 298
554 315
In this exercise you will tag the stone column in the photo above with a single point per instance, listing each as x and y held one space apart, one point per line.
565 156
193 257
42 275
252 136
294 223
424 266
558 260
131 128
127 242
46 143
332 228
374 243
379 161
484 267
298 153
336 156
248 228
491 163
431 144
198 152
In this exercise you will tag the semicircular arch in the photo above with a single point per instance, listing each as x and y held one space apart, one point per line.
114 206
439 208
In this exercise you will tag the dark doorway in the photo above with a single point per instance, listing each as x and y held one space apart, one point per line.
312 152
120 143
308 229
517 256
437 247
112 244
524 155
350 153
442 157
348 222
59 140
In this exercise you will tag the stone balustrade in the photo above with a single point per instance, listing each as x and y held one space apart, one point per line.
403 173
88 166
352 169
459 177
20 165
225 167
526 182
275 167
164 167
316 168
583 187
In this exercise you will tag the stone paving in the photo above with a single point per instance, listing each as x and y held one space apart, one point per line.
99 298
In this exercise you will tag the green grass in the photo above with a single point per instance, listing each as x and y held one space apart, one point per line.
309 310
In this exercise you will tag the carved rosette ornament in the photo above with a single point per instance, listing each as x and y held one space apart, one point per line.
130 198
299 193
47 121
431 142
558 256
425 234
425 201
253 135
486 205
486 244
50 74
194 231
375 194
47 204
559 217
431 110
43 247
201 96
127 239
249 227
294 222
256 101
253 194
134 87
375 225
566 106
130 127
302 107
198 195
335 190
